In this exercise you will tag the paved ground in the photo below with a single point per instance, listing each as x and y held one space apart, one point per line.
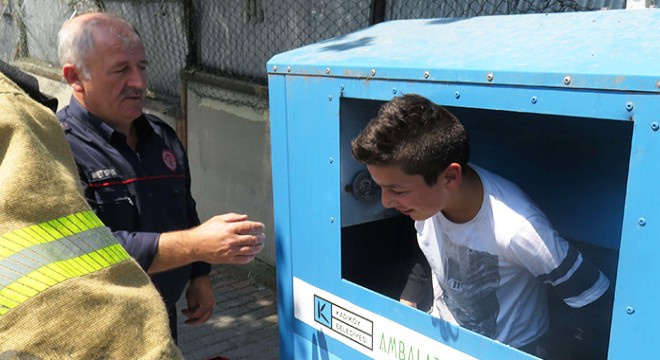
244 325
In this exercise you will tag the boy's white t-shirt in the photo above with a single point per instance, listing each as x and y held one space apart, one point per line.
488 273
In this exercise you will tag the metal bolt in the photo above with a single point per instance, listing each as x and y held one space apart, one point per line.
373 72
394 91
332 220
534 99
567 80
327 70
331 160
288 69
490 77
630 106
274 67
655 126
427 74
457 95
641 222
630 310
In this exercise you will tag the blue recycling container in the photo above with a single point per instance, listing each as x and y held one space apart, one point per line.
566 105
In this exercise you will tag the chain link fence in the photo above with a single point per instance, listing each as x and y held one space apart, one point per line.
235 38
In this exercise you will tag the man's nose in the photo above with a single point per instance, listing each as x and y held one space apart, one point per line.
137 79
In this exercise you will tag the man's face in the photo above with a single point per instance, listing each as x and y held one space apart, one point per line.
115 88
409 193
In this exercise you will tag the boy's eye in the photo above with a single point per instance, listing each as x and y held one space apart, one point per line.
398 192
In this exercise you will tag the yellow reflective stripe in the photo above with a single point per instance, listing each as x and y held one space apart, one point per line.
21 238
91 263
91 219
109 254
6 304
46 277
4 252
52 273
34 258
30 285
69 225
12 242
40 233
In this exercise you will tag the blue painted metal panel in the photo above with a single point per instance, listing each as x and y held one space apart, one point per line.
636 312
281 216
598 50
585 150
312 121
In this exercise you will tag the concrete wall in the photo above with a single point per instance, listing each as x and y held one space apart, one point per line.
229 151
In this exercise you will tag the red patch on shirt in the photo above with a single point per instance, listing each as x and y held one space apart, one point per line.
169 159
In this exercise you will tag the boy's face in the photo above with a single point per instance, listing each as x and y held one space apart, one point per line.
409 193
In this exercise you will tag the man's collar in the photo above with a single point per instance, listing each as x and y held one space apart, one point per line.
90 120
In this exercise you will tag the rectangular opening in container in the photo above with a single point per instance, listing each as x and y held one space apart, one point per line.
574 168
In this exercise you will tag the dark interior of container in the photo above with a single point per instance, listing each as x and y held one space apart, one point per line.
574 168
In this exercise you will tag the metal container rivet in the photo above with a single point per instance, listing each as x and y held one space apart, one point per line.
332 220
490 77
630 310
457 95
655 126
274 67
428 74
373 72
288 69
394 91
534 100
630 106
327 70
331 160
641 222
567 80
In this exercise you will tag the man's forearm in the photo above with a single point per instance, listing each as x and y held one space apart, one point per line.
173 251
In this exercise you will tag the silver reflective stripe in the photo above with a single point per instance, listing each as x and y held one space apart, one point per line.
38 257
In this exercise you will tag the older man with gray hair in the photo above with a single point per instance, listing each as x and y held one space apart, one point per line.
134 170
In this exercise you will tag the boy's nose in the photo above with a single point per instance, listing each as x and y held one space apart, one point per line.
386 200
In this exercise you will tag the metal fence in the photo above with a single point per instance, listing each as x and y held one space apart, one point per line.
235 38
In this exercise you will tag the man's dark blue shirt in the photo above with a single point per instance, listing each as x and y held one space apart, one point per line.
138 194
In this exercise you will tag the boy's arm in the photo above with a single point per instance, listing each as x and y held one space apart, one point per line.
418 291
556 262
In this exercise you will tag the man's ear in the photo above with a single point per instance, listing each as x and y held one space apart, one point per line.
73 77
452 176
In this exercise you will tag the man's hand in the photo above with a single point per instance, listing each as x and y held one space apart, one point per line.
223 239
201 301
228 239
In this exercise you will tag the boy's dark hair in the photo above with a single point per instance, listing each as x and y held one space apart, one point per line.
413 133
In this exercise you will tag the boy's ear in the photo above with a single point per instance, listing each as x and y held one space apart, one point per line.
452 176
73 77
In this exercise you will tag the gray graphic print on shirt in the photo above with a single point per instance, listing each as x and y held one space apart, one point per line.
471 278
